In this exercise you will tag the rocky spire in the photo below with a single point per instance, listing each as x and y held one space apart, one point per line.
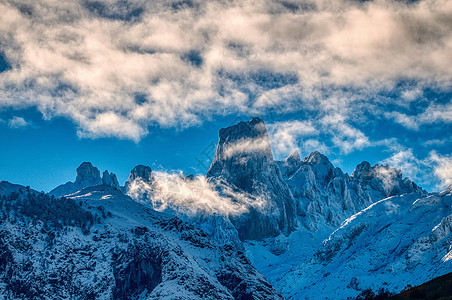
290 164
321 166
139 173
243 144
244 160
142 172
87 175
110 179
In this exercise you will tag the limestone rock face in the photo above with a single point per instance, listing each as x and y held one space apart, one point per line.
87 175
139 184
142 172
110 179
244 161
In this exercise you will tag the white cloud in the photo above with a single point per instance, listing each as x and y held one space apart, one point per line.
403 119
287 136
247 146
89 63
410 165
17 122
344 136
434 113
442 168
173 192
109 124
421 170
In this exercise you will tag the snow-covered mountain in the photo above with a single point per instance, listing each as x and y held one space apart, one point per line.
312 230
398 241
326 195
101 244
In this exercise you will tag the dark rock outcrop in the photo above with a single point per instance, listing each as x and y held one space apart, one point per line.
244 161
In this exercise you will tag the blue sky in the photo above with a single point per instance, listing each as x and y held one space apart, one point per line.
123 83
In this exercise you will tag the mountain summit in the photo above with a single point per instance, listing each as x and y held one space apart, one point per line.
87 175
244 160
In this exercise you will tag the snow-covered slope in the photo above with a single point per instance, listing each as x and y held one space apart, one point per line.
244 161
394 242
103 245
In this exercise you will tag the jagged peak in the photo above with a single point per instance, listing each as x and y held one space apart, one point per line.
315 158
361 169
290 164
447 191
253 128
245 143
86 172
143 172
110 179
365 170
294 156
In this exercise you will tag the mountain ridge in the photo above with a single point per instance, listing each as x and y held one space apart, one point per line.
293 218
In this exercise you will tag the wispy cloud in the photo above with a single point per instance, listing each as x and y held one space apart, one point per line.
192 196
247 146
288 136
421 169
442 168
434 113
17 122
141 63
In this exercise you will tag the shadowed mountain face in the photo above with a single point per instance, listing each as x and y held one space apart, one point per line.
244 160
141 172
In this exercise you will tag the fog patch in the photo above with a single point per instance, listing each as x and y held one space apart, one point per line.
193 195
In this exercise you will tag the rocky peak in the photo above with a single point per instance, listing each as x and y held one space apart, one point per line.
290 164
447 191
110 179
320 165
87 175
244 144
316 158
362 170
252 129
244 159
142 172
449 188
385 179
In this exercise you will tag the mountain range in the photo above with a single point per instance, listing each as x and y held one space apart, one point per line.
251 228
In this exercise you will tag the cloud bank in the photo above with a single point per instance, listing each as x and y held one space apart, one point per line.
117 67
191 196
